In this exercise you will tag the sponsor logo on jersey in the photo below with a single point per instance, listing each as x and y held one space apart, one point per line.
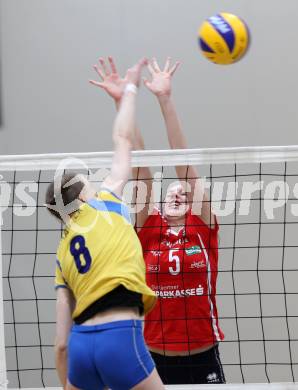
170 244
156 253
180 293
153 268
193 250
163 288
198 264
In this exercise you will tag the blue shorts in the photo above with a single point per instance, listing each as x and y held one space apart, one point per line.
112 354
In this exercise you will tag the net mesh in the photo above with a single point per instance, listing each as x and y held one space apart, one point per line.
257 287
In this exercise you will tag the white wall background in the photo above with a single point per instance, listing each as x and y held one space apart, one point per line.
49 46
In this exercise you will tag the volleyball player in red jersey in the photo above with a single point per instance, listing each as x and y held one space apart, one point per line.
180 245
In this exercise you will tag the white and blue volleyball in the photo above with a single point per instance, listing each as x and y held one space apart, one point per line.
224 38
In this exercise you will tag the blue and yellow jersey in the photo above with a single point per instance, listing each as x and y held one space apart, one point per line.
99 251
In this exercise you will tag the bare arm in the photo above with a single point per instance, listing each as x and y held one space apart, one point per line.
161 87
144 174
114 85
64 308
143 196
124 127
123 141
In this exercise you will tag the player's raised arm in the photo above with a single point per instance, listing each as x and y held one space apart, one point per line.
114 85
123 132
142 174
160 86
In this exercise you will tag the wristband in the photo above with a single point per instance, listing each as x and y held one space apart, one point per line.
130 87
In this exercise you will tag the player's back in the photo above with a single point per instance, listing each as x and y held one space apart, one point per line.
100 251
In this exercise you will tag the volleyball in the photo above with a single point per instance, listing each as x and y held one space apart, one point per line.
224 38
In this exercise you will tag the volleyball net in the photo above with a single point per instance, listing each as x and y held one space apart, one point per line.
254 193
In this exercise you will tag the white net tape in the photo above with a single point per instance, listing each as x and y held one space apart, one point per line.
154 158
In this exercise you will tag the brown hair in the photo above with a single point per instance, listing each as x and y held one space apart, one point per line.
68 193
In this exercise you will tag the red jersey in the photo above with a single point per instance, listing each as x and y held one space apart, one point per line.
182 270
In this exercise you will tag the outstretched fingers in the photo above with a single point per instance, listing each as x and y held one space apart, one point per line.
104 66
133 74
155 65
154 68
141 63
96 83
99 71
150 68
167 64
174 68
112 64
102 69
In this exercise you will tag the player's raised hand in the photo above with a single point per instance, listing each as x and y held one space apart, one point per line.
133 74
160 83
111 82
